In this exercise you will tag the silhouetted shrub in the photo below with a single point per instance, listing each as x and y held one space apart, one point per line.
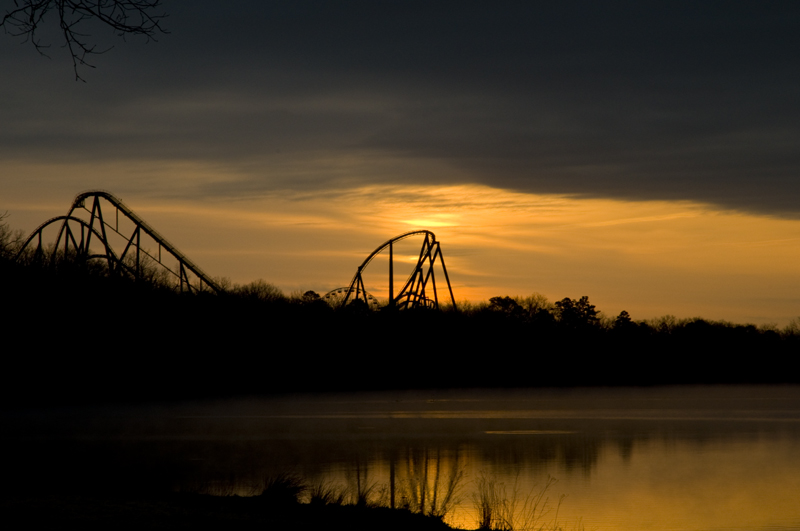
283 489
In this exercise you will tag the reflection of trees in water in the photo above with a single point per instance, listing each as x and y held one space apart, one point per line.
581 454
418 475
230 450
431 481
422 477
626 448
534 451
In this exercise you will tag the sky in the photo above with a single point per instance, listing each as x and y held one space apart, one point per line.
644 154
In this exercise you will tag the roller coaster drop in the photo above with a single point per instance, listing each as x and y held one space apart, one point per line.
420 286
75 234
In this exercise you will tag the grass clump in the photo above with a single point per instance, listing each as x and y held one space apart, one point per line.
325 493
283 488
509 509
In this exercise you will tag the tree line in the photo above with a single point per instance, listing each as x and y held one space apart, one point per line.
75 333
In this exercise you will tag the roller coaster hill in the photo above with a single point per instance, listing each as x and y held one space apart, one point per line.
124 244
131 248
112 311
110 301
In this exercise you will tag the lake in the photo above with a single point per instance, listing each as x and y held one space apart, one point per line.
665 458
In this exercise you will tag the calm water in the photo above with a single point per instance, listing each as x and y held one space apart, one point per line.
699 458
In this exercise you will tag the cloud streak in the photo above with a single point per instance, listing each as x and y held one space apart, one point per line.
618 150
620 100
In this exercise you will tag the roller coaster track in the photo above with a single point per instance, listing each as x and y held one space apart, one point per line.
421 284
77 234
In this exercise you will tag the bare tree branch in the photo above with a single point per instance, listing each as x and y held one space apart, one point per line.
124 17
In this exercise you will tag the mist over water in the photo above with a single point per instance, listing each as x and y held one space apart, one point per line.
635 458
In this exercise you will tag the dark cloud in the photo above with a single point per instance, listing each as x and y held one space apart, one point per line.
673 100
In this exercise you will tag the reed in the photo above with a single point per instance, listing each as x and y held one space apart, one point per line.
283 488
502 508
326 493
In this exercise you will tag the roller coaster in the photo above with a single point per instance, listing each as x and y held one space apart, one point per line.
141 246
419 291
130 247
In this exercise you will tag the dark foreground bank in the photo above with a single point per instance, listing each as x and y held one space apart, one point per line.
197 511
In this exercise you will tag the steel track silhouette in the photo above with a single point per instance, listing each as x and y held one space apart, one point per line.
421 284
76 234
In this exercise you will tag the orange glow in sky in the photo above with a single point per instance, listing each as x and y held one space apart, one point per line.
650 258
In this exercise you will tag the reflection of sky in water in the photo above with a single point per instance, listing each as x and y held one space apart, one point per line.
676 458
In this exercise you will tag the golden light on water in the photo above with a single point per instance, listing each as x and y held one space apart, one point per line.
679 484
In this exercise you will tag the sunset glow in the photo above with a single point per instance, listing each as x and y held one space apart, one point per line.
632 182
467 260
650 258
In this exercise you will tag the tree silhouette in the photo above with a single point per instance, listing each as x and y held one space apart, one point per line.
124 17
578 314
623 320
506 306
9 240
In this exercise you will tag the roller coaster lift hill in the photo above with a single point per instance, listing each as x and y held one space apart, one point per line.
128 244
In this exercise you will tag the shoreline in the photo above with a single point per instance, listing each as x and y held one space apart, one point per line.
203 511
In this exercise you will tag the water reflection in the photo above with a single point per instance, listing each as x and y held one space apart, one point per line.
669 458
